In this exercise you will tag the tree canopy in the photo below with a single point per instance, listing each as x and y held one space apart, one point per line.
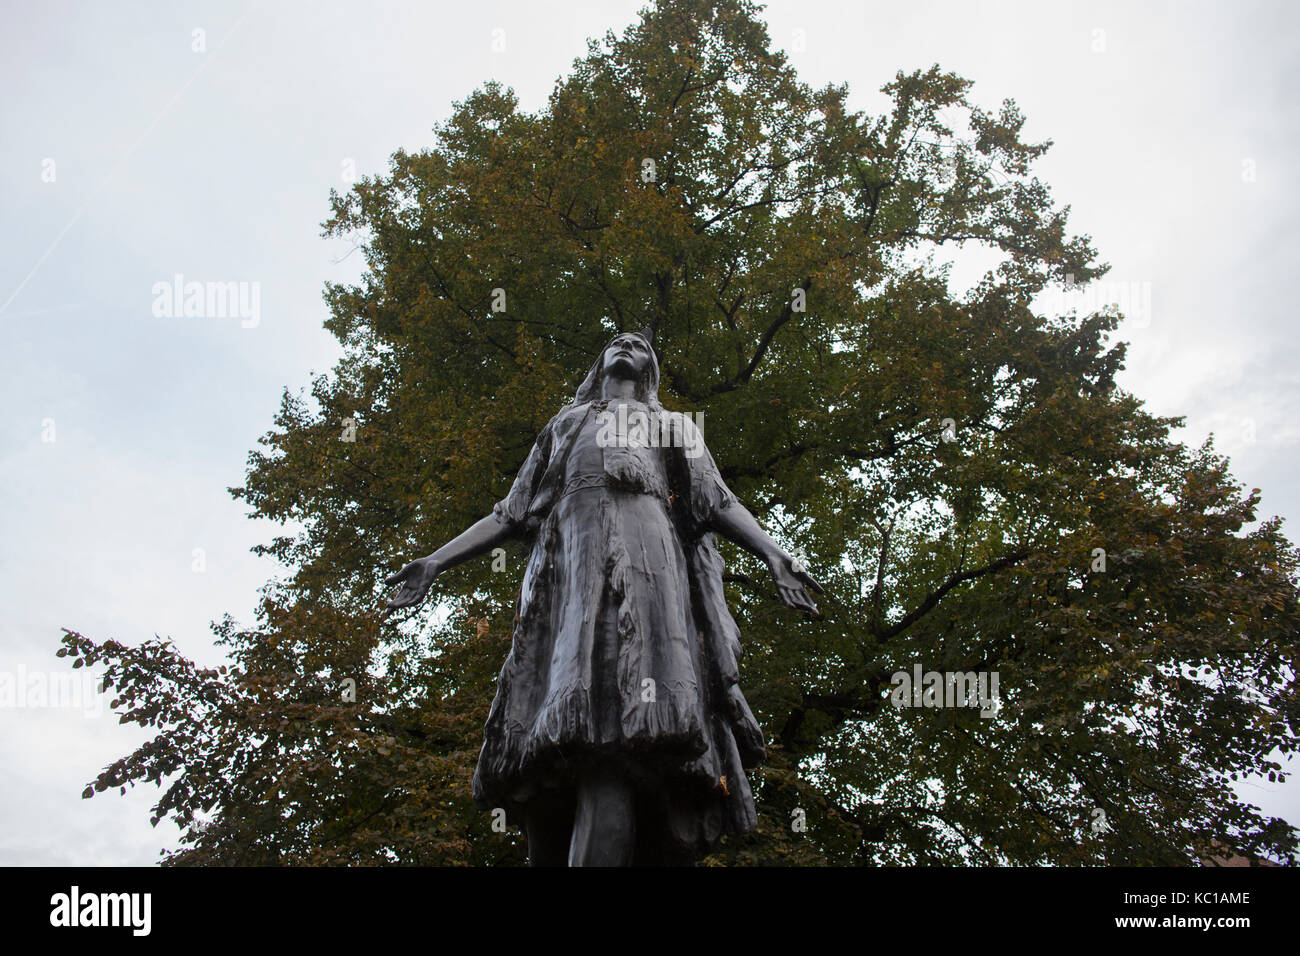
959 470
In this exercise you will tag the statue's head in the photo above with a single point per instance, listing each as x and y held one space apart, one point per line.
627 355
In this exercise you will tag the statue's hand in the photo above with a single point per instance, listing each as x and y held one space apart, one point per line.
792 583
414 579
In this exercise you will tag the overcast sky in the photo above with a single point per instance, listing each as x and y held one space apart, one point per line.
128 157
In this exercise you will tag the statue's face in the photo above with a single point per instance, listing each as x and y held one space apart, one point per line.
628 356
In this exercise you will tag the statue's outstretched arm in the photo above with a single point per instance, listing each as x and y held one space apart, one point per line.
792 579
415 579
506 521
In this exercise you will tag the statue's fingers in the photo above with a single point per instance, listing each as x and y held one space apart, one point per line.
805 602
402 598
395 579
808 579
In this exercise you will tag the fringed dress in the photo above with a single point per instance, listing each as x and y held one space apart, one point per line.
624 653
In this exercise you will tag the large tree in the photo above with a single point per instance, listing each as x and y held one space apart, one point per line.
959 470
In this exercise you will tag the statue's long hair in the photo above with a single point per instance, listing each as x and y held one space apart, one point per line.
647 389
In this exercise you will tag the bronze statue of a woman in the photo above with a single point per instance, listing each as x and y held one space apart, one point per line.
619 734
